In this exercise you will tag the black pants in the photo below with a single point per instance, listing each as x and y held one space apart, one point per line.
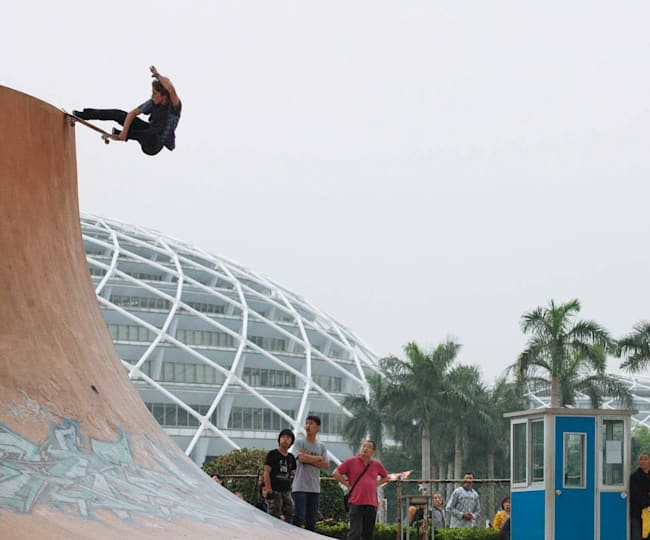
362 522
635 528
139 130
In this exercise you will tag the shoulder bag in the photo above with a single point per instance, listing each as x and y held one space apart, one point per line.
346 497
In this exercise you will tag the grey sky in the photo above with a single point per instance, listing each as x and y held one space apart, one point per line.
417 170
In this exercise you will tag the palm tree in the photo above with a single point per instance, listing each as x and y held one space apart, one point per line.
468 422
568 356
369 419
419 393
503 397
635 346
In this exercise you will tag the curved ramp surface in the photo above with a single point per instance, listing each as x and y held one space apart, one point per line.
80 456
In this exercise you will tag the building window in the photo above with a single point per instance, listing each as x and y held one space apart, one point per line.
143 276
204 307
256 418
171 415
205 338
329 383
130 332
177 372
269 343
141 302
331 423
269 378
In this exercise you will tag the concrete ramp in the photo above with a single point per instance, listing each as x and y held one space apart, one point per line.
80 456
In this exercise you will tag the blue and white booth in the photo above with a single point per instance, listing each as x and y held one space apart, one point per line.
569 473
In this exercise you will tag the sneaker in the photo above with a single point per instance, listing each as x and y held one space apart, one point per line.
115 132
80 114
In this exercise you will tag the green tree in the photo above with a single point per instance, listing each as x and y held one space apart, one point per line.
419 392
241 470
469 422
640 441
635 347
567 356
369 416
503 397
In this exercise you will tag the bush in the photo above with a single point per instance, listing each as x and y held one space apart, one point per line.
389 532
251 462
331 499
240 462
467 534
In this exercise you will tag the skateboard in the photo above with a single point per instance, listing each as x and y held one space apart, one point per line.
106 136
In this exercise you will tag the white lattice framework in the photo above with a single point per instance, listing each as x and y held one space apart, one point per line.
115 249
638 385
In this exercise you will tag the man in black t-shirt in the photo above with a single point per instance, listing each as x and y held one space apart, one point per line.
279 465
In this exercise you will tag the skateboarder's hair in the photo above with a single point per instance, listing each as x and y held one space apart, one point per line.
158 87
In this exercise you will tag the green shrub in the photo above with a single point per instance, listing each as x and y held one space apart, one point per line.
244 461
247 461
331 499
337 530
467 534
389 532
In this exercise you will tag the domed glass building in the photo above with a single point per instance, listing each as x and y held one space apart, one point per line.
639 386
223 357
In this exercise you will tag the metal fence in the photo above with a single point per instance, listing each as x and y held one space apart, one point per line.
397 496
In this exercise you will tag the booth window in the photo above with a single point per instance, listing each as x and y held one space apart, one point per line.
574 460
613 433
537 450
528 452
519 452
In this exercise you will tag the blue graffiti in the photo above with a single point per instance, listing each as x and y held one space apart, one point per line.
64 473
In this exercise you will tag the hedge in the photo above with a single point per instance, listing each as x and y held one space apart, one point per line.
389 532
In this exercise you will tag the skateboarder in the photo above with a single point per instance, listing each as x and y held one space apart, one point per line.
164 110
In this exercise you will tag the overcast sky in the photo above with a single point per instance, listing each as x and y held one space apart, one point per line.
418 170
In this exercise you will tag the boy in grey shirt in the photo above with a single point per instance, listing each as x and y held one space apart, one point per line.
311 457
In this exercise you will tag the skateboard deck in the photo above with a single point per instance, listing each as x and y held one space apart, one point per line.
106 136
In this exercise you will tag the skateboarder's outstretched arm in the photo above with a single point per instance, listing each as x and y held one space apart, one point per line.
167 84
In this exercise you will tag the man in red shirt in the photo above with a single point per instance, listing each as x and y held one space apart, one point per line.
362 475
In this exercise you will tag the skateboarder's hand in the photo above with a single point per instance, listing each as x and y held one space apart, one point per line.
154 71
122 136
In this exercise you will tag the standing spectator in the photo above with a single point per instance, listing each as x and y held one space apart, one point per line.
639 495
438 512
278 467
464 506
311 457
366 475
435 518
502 515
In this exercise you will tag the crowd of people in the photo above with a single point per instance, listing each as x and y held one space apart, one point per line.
290 489
463 510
